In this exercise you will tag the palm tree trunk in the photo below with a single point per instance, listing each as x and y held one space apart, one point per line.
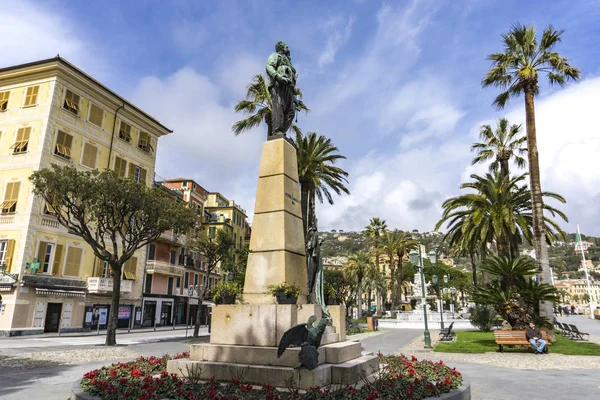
399 279
304 199
539 234
504 169
392 277
359 298
474 268
502 245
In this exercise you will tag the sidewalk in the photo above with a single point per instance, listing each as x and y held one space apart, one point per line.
93 332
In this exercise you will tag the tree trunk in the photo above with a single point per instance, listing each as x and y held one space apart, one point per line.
502 245
392 278
474 268
359 298
369 294
379 309
399 280
307 198
111 327
504 169
199 311
539 234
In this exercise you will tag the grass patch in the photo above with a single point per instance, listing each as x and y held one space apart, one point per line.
483 342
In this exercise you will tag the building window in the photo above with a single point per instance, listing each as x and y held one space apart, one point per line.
120 167
71 102
173 256
96 115
125 132
137 173
49 256
31 96
4 100
64 142
6 252
73 261
148 288
20 145
144 143
186 279
170 285
130 269
184 184
178 283
90 153
151 251
196 279
48 210
11 197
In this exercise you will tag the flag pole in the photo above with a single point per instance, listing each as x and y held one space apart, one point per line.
587 277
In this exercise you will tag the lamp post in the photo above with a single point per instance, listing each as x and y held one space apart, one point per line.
417 261
433 258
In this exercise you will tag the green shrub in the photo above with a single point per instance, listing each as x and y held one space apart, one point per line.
482 317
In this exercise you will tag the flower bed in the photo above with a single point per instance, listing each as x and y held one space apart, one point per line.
399 377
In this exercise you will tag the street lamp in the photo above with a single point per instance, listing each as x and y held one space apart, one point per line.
417 261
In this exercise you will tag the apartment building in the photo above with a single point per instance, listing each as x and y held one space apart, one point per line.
577 290
51 112
226 214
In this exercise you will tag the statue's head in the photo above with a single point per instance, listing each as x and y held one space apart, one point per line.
282 48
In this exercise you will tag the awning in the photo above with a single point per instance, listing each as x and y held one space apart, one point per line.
56 292
6 287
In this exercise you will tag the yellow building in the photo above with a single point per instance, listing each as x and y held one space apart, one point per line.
577 290
226 214
52 112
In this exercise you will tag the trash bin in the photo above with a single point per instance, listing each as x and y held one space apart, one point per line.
370 324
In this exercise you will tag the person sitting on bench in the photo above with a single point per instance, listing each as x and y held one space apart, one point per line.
534 335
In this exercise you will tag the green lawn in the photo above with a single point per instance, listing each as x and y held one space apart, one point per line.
482 342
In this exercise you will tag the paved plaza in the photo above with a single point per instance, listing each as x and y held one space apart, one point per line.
567 379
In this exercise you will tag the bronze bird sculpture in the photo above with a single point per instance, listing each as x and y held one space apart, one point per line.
306 336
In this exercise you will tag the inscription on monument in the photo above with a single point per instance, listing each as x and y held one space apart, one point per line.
292 198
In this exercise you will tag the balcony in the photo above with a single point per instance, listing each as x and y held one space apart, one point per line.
103 285
171 237
50 223
163 268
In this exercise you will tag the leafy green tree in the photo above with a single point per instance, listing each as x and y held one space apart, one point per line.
235 264
501 145
358 268
258 106
214 248
317 173
516 72
114 216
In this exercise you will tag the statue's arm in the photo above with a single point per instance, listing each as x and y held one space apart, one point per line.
272 66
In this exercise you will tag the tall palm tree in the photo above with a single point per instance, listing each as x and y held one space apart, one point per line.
516 71
373 232
317 173
258 106
502 144
395 244
359 267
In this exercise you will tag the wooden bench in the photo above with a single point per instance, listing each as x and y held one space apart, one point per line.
447 334
514 338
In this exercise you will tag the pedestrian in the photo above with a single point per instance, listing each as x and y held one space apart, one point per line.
560 310
572 309
534 336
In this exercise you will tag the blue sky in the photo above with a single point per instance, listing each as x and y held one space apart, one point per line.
395 84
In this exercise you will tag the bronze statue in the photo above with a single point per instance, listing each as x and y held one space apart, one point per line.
314 267
282 86
308 337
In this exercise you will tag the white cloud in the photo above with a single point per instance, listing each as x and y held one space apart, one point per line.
202 145
338 31
190 35
32 32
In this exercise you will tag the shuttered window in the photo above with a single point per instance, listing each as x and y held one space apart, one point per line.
4 100
7 248
130 269
137 173
64 143
73 262
20 145
90 152
96 115
125 132
49 256
71 102
145 143
31 96
11 197
120 167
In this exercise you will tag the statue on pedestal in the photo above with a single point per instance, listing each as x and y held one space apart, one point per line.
315 267
282 86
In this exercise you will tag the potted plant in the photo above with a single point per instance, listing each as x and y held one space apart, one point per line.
285 293
225 292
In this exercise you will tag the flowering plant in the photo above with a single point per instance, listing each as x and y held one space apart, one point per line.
146 378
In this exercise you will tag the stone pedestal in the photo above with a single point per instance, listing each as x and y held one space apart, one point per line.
277 241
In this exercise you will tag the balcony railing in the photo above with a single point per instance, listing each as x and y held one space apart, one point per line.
169 236
163 268
50 223
100 285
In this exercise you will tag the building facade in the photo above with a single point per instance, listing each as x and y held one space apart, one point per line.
578 292
53 113
226 214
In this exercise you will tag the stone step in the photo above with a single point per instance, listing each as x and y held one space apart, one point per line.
340 352
355 370
248 354
329 338
283 377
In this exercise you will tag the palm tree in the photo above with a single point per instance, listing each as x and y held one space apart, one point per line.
359 267
563 293
258 106
395 244
317 174
516 71
373 232
510 272
501 145
497 210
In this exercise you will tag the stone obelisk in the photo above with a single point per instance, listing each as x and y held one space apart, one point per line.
277 243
